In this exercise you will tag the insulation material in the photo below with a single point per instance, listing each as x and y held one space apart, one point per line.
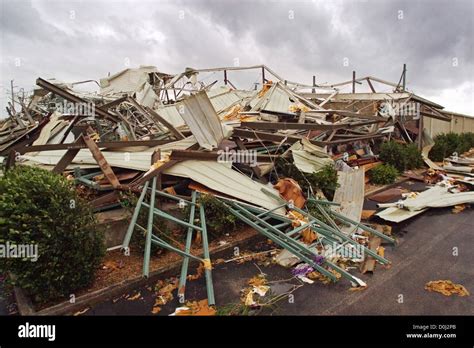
291 191
202 120
222 179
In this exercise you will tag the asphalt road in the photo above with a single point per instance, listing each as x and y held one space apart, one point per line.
424 253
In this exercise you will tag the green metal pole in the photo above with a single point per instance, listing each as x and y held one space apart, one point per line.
205 244
133 221
282 241
303 248
167 216
189 237
149 231
364 227
167 246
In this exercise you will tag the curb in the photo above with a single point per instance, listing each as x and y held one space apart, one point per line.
25 306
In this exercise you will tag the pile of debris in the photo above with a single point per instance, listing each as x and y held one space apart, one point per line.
173 138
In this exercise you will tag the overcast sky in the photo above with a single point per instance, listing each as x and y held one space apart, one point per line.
80 40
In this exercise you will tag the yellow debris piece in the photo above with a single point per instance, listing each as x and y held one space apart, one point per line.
207 264
265 89
381 251
447 288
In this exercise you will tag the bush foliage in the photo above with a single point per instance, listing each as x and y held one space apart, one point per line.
383 174
448 143
401 156
219 220
40 208
325 179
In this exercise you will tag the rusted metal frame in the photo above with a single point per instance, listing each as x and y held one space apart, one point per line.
153 173
69 128
138 122
436 114
105 144
72 98
370 85
109 198
101 161
353 81
302 126
69 156
238 132
230 83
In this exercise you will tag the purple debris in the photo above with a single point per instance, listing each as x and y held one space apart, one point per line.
302 270
319 259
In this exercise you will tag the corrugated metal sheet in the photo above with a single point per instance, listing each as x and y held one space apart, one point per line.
350 195
278 101
308 157
202 120
122 159
435 197
171 114
222 179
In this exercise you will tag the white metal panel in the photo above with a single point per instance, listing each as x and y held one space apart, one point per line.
202 120
218 177
350 195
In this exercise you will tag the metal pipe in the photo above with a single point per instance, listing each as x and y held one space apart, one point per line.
133 221
205 245
189 236
149 231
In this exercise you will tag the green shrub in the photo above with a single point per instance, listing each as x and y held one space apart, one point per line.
325 179
219 220
40 208
401 156
383 174
413 158
448 143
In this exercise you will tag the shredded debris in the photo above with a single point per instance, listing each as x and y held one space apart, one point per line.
447 288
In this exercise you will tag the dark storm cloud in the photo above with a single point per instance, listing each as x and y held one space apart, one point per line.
77 40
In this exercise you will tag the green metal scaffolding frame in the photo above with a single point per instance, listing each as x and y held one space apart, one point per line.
189 224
